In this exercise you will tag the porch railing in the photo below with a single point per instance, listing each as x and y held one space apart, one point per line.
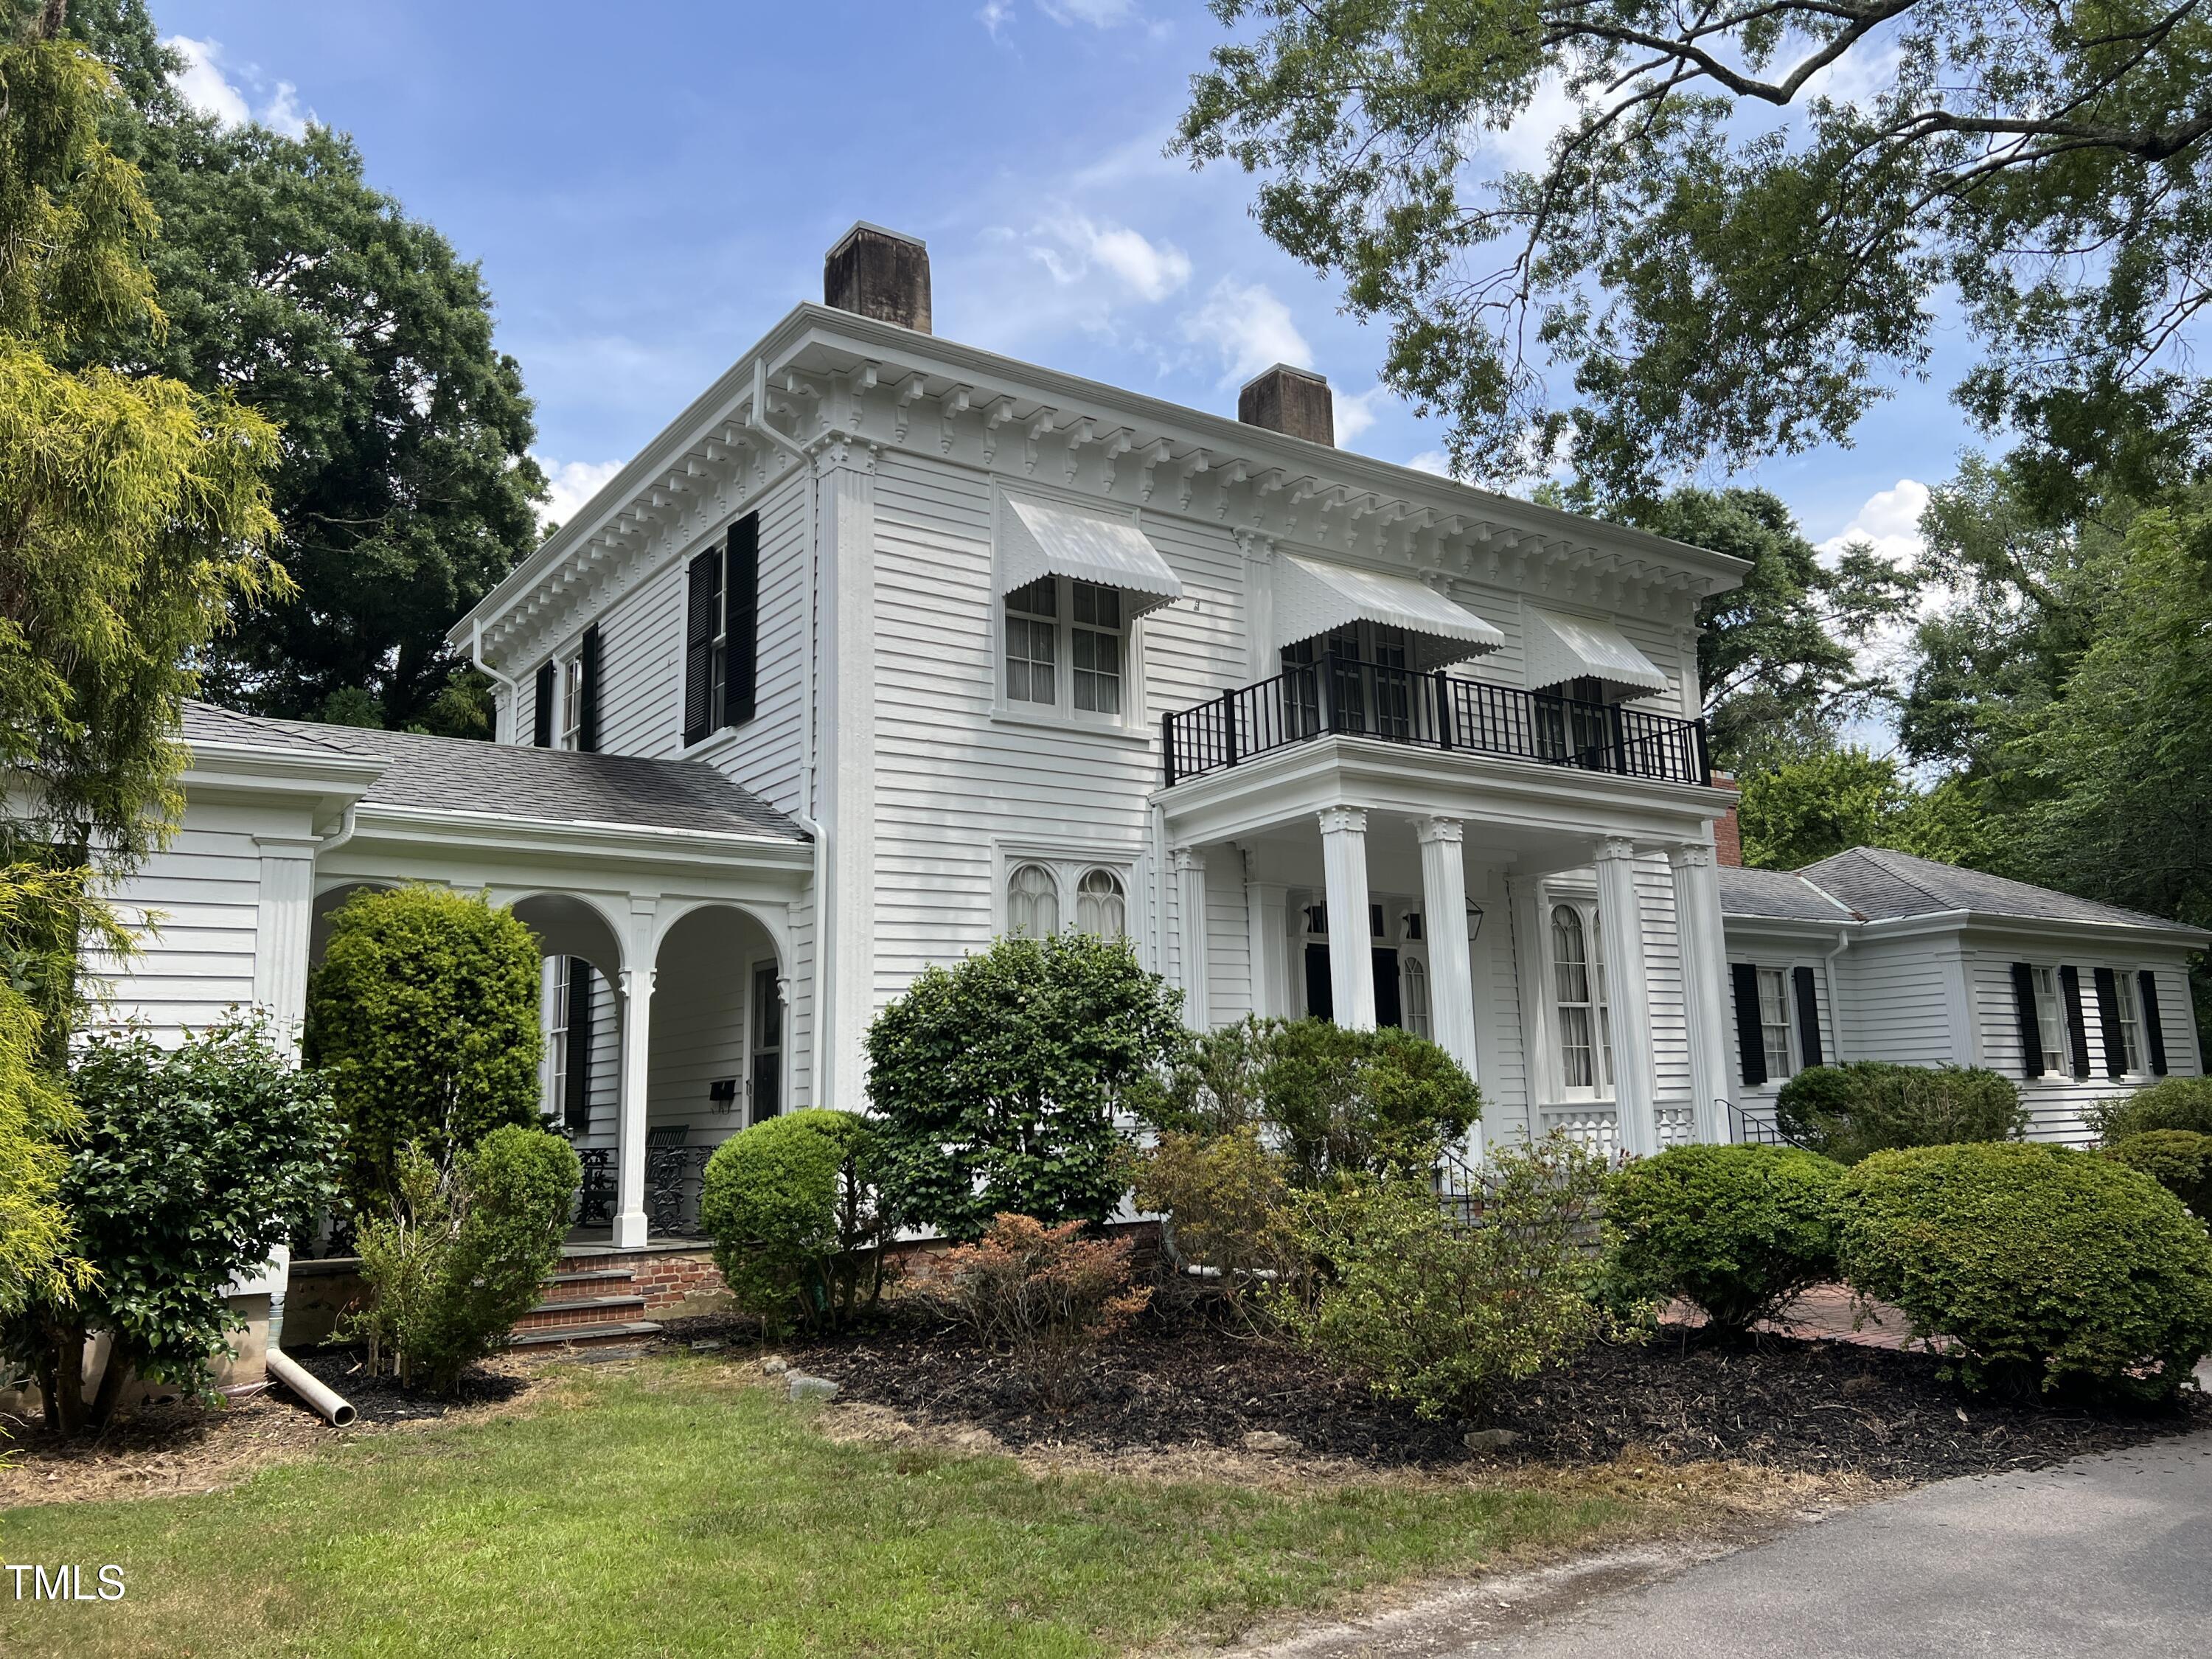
675 1176
1432 710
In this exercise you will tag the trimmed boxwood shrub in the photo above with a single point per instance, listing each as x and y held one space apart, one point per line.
2035 1268
1739 1230
797 1219
2179 1160
1846 1112
2174 1102
423 1015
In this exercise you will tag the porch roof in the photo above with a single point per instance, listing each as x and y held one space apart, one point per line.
546 786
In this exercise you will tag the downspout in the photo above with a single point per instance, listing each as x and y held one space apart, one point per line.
756 419
513 704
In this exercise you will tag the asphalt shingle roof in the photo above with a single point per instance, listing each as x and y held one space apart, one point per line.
1776 893
1882 885
556 786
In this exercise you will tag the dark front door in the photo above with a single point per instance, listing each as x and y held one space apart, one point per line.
1387 1010
1321 996
767 1044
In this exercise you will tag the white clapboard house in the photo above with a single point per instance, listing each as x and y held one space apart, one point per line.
886 645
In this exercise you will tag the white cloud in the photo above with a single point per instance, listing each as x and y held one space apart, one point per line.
1098 14
1151 271
204 83
1354 415
570 484
1249 326
995 16
1526 145
201 83
1432 460
1889 523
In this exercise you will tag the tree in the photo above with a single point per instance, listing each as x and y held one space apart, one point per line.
1742 229
997 1082
1776 655
423 1012
1805 810
405 489
192 1165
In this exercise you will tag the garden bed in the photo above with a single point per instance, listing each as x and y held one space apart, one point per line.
1177 1380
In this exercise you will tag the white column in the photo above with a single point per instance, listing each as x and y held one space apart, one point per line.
1350 961
631 1105
1451 968
1190 916
1705 967
1267 905
1628 994
283 919
845 913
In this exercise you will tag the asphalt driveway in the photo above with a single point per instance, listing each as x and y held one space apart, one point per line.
2105 1555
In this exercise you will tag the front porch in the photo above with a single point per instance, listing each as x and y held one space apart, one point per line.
1577 977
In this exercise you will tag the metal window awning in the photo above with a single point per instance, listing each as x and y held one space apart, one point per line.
1312 598
1562 648
1041 538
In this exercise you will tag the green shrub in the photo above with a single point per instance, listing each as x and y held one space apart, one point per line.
996 1082
798 1222
464 1253
1048 1294
2173 1103
1227 1199
2036 1267
2180 1160
424 1014
1846 1112
191 1165
1741 1231
1440 1313
1334 1102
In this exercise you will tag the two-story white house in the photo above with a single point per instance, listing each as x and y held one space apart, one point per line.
886 645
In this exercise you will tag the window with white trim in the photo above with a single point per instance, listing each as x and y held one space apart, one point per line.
1032 901
1413 993
572 699
1774 1023
1102 906
1578 995
1054 623
2132 1047
2049 1021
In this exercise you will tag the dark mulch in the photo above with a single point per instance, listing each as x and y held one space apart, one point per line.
382 1400
1173 1380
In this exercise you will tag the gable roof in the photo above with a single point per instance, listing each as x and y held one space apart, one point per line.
1778 895
547 786
1882 884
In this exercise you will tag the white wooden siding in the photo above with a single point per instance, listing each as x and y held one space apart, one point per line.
192 908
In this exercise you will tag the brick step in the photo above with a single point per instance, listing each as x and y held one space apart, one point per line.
582 1310
582 1336
588 1283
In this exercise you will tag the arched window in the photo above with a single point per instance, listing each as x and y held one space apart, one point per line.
1571 992
1032 903
1415 991
1102 910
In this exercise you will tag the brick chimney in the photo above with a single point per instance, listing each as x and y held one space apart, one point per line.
1295 402
879 273
1728 830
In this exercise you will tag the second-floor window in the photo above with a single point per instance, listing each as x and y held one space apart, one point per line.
721 633
1066 649
572 701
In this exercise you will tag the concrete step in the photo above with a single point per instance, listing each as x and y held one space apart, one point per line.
583 1336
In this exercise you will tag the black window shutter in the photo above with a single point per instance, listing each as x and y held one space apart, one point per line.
587 717
541 727
2031 1023
576 1104
2077 1025
2108 1022
741 628
2153 1033
1750 1046
1808 1015
700 601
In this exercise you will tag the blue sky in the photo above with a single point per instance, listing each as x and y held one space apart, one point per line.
648 187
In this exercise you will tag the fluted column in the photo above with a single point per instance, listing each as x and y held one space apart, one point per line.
1451 972
629 1225
1705 967
1628 996
1350 961
1190 902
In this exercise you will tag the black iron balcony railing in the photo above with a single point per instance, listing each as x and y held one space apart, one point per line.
1347 698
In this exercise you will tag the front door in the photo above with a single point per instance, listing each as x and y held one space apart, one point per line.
767 1044
1387 1009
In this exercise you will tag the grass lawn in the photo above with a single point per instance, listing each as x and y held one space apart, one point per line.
666 1509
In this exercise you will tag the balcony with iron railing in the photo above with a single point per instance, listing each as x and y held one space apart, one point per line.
1345 698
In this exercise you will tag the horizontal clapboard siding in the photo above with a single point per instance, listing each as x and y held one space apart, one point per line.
193 908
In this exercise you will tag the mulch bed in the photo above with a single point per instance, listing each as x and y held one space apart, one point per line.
1173 1380
382 1400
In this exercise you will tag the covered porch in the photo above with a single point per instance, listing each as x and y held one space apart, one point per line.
1555 928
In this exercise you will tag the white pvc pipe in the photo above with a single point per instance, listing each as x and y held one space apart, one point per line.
334 1407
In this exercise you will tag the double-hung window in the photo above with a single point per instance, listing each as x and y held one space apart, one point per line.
572 701
2132 1048
2050 1022
1774 1022
1067 649
721 633
1579 994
